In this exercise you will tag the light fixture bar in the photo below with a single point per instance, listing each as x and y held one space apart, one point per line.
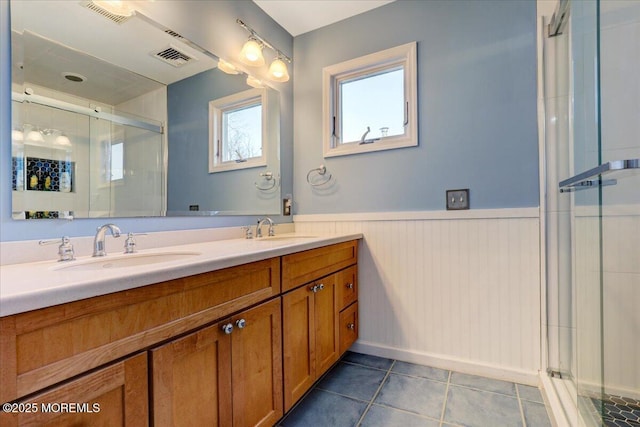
261 39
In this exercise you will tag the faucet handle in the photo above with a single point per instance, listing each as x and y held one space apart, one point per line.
130 242
272 231
248 232
65 250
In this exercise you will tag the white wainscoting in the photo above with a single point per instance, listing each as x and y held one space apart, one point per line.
456 290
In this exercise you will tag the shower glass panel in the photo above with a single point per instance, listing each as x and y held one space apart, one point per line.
593 240
68 165
126 171
619 37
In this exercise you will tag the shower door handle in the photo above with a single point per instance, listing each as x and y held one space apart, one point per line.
589 178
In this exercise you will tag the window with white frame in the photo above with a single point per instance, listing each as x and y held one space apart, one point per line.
370 103
237 131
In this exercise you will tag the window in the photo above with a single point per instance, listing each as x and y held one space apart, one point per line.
370 103
117 161
112 162
236 131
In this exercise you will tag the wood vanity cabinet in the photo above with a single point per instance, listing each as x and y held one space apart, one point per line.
313 339
113 396
226 374
158 354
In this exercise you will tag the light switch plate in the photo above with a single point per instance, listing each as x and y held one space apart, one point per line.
457 199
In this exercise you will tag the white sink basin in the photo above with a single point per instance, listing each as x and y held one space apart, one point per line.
128 260
285 237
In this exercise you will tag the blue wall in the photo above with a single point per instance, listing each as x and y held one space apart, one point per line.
189 180
210 24
477 108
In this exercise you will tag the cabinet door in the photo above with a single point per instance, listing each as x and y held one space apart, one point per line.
326 323
192 380
256 363
109 397
298 333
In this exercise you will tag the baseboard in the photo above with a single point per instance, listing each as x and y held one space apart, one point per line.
443 362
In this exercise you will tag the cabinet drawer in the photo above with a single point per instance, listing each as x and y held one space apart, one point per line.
112 396
303 267
347 283
348 327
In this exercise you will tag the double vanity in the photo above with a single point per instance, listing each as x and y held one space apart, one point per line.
230 333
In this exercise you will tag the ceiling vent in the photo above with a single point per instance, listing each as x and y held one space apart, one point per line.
173 56
118 19
174 34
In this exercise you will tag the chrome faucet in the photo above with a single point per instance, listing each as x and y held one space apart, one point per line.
98 242
259 227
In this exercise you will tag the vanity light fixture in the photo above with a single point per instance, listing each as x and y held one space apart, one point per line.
63 139
116 7
278 71
251 54
253 82
17 135
33 134
227 67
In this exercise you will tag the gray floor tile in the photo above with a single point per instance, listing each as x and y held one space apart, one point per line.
321 408
482 383
421 371
476 408
535 414
532 394
418 395
367 360
382 416
354 381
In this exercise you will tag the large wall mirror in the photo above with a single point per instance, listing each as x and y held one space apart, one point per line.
122 117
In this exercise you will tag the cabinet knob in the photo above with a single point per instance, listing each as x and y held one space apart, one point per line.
313 288
320 286
241 323
351 326
227 329
349 285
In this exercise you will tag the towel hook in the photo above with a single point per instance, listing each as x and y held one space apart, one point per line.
321 171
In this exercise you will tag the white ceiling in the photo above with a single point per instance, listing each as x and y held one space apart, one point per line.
301 16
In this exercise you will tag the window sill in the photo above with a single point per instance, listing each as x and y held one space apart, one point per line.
356 148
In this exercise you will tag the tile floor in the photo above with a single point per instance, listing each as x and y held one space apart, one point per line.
617 411
363 390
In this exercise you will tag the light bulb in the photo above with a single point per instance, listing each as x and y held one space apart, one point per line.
251 54
278 71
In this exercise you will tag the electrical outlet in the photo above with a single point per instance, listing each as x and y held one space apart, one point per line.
457 199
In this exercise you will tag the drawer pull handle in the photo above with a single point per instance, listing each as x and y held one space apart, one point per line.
241 323
227 329
349 285
351 326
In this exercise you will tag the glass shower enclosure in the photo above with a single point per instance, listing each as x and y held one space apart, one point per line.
592 215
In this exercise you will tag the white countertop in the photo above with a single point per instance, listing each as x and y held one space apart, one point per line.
30 286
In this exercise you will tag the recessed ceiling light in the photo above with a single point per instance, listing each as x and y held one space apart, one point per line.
73 77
